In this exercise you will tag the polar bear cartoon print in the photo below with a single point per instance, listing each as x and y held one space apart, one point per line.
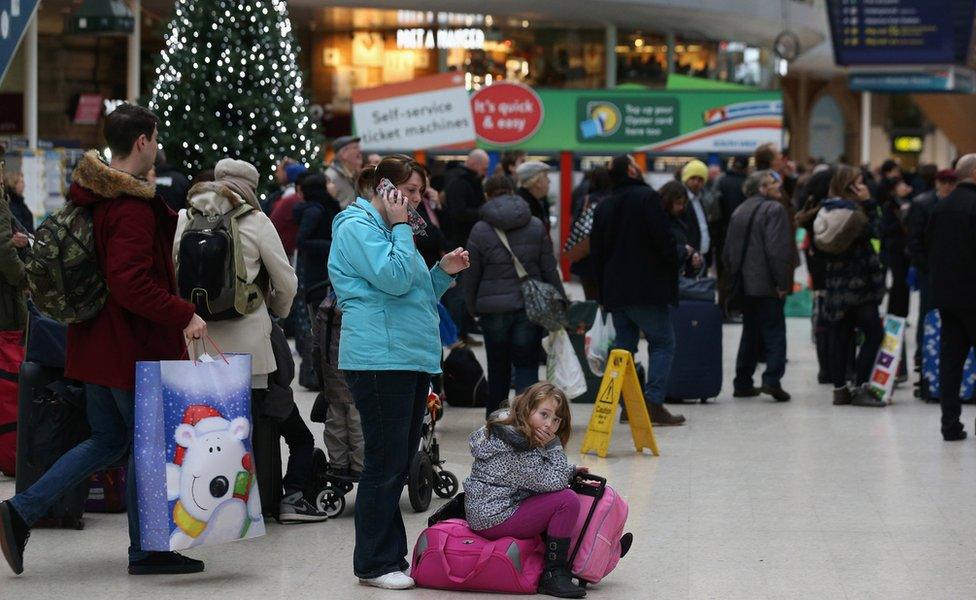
212 481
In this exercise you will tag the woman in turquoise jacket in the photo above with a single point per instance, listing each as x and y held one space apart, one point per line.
389 348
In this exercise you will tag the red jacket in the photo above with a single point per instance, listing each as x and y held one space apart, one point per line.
143 318
283 217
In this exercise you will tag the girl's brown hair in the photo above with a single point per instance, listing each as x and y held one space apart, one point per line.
671 192
398 168
528 401
841 186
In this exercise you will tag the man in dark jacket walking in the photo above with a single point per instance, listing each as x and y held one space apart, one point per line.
635 261
952 264
767 272
171 185
143 319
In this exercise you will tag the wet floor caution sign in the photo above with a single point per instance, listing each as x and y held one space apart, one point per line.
619 380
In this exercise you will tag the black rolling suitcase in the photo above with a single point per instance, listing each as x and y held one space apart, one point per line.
696 372
581 317
266 446
52 421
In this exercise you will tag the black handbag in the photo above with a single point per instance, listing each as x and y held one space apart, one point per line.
544 304
735 299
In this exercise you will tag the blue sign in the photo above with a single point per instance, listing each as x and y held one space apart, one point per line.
15 15
897 32
951 79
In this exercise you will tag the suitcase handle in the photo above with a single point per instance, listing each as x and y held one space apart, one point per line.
588 484
583 484
483 559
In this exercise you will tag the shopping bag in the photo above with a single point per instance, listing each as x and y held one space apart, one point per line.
562 367
599 342
194 469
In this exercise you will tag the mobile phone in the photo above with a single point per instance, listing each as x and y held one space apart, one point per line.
417 223
385 186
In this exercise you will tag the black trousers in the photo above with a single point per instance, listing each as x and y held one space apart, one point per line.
958 336
864 317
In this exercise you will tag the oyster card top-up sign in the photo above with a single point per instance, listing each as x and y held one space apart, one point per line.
424 113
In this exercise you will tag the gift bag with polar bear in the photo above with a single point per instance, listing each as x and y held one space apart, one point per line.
194 469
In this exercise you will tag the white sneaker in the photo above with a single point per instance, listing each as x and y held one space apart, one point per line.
397 580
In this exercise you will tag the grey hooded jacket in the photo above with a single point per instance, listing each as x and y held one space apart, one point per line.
491 284
506 471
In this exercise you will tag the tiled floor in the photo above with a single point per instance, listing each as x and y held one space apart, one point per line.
751 499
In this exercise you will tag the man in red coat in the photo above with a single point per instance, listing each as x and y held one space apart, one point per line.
143 319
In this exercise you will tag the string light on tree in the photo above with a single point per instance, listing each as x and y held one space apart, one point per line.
232 87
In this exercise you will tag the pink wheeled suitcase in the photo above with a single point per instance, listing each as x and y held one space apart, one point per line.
596 543
449 556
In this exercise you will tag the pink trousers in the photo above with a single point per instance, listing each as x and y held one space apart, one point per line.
553 514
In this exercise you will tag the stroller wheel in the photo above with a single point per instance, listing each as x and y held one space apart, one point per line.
330 502
420 484
446 485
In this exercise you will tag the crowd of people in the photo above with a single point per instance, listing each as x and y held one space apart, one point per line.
400 252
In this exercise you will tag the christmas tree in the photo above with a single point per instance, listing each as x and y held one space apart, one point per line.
228 84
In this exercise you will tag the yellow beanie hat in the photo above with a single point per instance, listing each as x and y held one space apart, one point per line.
695 168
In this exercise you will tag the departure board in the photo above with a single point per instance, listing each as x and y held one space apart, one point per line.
876 32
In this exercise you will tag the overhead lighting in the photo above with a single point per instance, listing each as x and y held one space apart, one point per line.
101 17
639 42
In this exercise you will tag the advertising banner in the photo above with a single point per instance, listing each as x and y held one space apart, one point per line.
428 112
660 122
14 18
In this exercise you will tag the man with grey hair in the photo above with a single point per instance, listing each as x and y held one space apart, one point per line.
345 168
952 268
759 246
533 187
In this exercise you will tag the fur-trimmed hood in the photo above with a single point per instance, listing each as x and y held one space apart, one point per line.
104 182
211 197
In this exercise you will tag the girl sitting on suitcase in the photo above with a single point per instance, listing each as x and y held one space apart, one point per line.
519 483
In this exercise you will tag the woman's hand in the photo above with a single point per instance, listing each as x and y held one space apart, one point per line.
20 240
696 261
456 261
396 207
582 470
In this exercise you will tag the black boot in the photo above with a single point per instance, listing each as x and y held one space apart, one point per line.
13 537
557 580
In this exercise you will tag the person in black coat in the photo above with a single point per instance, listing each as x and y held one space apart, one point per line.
23 218
172 185
952 265
533 181
812 194
919 216
636 262
464 196
314 217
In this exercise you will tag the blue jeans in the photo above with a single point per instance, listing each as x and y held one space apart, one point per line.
511 339
391 406
763 327
655 322
110 416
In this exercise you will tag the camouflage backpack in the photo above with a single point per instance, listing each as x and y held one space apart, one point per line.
62 269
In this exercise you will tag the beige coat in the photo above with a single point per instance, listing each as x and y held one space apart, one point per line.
250 334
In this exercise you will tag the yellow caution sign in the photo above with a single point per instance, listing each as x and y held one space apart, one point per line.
620 378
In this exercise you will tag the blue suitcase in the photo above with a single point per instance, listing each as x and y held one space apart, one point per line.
929 385
696 372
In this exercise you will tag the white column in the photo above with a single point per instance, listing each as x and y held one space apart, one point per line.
611 55
135 43
865 127
30 82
